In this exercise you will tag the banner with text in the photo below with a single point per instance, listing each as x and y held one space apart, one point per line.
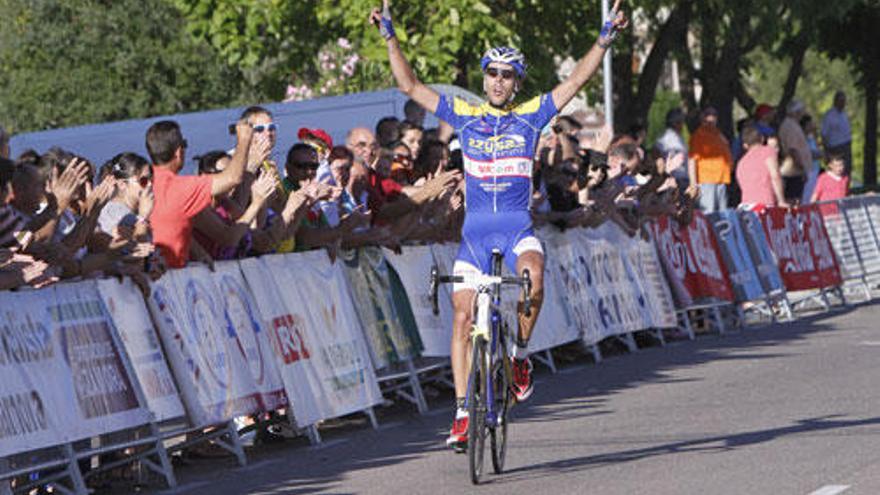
65 376
735 252
692 262
759 249
204 352
368 276
413 264
126 306
320 348
800 242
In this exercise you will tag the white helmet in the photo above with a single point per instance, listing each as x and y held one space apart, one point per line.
505 55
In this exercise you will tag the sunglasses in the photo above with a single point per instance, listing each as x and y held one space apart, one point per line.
308 165
145 180
264 127
569 173
402 159
506 74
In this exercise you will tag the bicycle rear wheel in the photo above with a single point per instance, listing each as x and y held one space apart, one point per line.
503 399
477 410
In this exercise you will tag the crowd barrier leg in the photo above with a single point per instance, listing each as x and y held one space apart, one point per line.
371 414
593 350
629 341
416 387
5 485
685 323
73 472
718 318
233 445
546 358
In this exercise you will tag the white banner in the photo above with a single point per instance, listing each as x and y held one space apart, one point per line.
611 282
64 375
322 355
212 373
251 336
413 265
125 303
554 326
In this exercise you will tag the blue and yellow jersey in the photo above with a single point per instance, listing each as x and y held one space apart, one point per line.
498 147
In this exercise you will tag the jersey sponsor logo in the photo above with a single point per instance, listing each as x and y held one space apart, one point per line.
513 168
507 143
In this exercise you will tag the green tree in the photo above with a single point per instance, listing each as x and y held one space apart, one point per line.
71 62
852 38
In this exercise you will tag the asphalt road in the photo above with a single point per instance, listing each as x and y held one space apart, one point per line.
786 409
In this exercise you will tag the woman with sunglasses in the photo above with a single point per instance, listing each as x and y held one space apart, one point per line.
133 202
499 140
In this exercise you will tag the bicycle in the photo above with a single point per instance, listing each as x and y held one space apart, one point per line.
489 397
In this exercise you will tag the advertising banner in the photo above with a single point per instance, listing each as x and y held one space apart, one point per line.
800 242
320 348
762 256
243 320
735 253
64 373
369 279
691 259
126 306
204 352
413 265
289 330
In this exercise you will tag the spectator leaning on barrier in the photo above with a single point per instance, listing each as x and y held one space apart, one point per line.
757 172
837 132
223 236
178 199
794 145
833 183
712 162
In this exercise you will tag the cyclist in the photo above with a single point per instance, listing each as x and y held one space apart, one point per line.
498 141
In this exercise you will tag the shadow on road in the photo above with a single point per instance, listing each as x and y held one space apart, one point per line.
578 391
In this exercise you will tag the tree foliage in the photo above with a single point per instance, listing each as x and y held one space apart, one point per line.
72 62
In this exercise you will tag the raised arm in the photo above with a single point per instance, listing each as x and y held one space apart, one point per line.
403 73
587 66
232 175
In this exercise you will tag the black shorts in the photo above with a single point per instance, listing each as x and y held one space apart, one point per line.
793 188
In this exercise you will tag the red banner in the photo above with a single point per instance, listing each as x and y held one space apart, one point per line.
691 260
800 242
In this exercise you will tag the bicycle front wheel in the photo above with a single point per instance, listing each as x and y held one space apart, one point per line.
477 410
503 399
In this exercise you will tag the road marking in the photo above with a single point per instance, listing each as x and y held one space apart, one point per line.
872 343
831 490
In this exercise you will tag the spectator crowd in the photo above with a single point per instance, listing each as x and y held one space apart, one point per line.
63 217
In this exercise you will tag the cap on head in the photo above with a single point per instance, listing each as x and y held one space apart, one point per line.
762 110
505 55
315 134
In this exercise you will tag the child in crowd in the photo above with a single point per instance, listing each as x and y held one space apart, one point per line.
833 183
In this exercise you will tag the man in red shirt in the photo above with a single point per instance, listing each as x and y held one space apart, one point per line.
178 198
